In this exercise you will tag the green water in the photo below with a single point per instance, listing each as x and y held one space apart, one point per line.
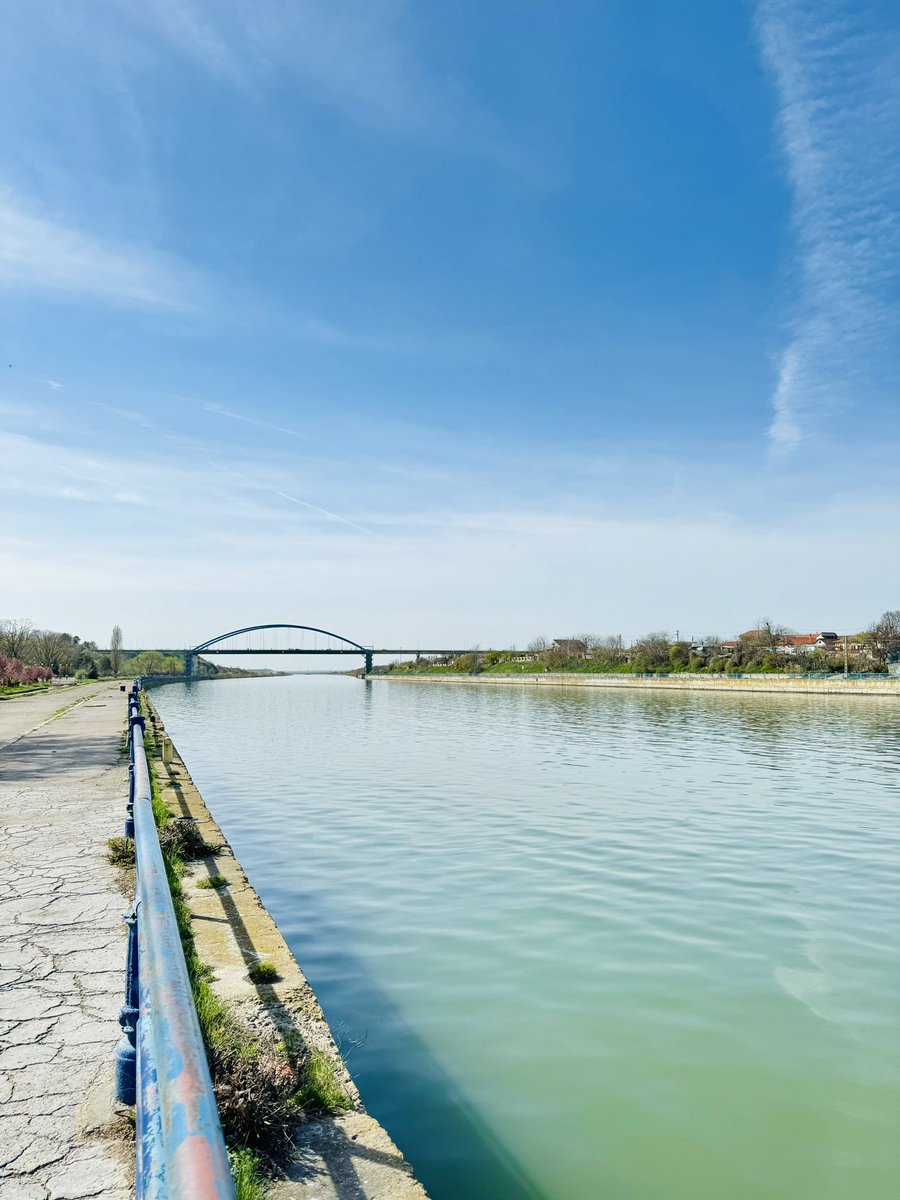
579 944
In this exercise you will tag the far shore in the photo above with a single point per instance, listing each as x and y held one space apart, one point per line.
831 686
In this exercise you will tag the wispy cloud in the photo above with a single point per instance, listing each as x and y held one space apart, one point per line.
38 253
219 410
261 482
357 57
274 491
838 83
52 383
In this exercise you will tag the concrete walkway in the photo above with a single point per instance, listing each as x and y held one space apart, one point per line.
22 714
62 947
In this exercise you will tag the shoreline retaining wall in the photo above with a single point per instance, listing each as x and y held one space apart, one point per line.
784 684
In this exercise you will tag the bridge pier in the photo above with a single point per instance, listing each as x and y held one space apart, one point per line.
190 664
368 662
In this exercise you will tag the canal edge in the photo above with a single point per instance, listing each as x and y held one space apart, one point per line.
768 685
349 1153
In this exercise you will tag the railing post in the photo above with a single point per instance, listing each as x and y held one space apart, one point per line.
126 1051
129 810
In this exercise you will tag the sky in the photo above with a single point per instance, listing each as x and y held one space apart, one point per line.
449 324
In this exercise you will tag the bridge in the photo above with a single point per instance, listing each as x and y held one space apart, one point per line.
301 639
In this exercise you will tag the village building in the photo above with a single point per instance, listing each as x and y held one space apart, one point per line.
571 647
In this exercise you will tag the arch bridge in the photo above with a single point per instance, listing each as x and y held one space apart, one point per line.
293 639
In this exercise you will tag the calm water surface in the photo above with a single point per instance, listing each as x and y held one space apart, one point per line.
579 944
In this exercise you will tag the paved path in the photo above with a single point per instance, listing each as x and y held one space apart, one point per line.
62 946
21 714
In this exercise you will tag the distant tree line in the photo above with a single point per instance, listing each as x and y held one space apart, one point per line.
29 655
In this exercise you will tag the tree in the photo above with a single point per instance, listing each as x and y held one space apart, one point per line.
57 651
680 656
115 649
884 635
650 652
712 645
148 662
14 637
538 645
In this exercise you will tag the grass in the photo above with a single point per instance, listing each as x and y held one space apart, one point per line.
263 972
213 881
321 1090
120 851
247 1174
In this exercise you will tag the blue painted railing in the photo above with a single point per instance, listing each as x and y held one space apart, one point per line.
161 1062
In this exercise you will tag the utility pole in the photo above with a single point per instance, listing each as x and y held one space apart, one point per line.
846 658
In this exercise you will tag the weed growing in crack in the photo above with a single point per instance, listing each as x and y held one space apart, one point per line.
263 972
120 851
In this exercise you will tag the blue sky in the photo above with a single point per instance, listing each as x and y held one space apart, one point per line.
449 322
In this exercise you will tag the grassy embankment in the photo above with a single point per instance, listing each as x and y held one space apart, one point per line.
494 662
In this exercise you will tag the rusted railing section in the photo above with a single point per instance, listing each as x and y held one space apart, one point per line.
161 1063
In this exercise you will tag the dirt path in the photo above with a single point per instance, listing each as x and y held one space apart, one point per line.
62 946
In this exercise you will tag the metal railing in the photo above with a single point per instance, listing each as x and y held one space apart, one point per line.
161 1063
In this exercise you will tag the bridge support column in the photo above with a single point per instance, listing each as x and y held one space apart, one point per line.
368 662
190 664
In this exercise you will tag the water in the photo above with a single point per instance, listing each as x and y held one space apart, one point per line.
584 944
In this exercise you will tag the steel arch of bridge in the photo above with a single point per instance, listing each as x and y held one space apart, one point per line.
223 637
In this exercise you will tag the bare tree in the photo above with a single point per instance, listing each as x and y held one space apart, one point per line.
115 649
712 644
884 635
538 645
651 651
612 646
14 637
768 635
54 650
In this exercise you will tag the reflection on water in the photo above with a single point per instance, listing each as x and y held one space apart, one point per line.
584 944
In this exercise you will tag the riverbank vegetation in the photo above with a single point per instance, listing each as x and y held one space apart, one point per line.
32 658
767 649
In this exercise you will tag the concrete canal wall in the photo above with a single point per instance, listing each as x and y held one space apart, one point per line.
339 1156
785 684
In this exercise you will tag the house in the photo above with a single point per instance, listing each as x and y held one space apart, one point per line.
570 647
793 643
806 643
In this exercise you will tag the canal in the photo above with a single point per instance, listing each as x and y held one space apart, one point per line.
579 944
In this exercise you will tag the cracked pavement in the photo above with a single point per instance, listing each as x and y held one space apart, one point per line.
63 788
